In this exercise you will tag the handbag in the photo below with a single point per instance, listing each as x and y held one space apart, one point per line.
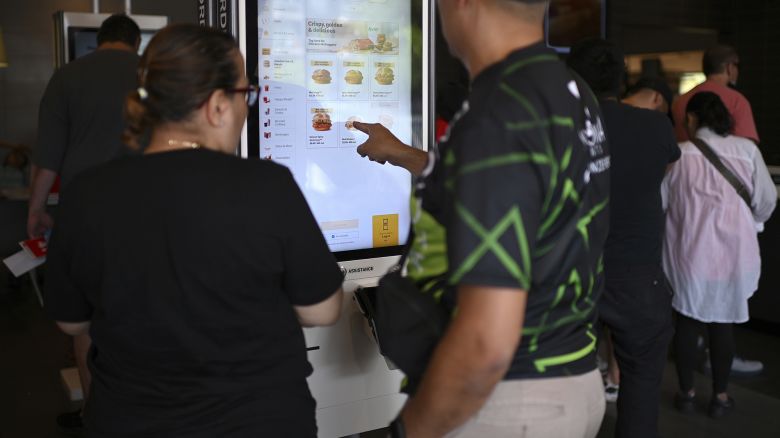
406 322
732 179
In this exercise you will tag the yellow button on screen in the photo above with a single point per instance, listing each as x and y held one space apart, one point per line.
385 227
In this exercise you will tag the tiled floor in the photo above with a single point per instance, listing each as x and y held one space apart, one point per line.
32 351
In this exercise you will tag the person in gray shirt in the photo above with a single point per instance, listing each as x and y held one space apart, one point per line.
80 125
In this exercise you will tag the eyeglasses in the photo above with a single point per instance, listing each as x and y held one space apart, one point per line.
251 93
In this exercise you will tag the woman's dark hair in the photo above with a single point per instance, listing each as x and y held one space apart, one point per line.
181 67
711 112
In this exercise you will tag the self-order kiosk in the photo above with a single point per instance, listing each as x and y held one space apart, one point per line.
321 65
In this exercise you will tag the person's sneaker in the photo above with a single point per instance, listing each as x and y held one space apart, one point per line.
70 423
684 402
739 366
611 392
719 408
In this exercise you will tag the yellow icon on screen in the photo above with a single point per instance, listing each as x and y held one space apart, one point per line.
385 230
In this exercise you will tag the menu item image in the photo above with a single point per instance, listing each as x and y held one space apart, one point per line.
361 44
321 76
383 44
321 122
384 76
353 77
350 123
386 120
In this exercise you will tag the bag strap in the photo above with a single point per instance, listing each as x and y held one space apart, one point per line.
732 179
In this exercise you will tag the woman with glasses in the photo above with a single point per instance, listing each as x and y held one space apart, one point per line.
192 269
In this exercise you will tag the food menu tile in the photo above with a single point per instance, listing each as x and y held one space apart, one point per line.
332 70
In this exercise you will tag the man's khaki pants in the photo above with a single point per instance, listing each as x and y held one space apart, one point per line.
563 407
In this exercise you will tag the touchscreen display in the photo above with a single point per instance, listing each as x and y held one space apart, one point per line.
323 64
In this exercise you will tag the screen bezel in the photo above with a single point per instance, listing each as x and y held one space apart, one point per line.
422 105
564 49
72 30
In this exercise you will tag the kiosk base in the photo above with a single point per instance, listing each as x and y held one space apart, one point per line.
355 388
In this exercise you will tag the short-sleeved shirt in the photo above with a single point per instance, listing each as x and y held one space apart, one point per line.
188 264
641 145
518 198
80 118
737 104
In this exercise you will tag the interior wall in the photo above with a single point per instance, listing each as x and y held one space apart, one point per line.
28 31
757 39
642 26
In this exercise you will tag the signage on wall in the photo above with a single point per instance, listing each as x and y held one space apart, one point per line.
204 12
225 15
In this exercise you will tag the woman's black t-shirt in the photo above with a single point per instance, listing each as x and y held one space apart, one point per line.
187 264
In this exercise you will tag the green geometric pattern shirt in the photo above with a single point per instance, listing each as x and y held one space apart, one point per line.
516 196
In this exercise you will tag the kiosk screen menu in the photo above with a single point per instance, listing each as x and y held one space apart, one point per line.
323 64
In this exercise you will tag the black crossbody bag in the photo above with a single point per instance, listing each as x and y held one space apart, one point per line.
732 179
406 322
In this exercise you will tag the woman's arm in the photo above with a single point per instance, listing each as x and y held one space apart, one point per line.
324 313
764 197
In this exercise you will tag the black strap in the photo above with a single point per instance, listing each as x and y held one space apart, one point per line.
713 158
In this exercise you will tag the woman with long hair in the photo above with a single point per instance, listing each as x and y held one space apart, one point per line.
192 269
711 253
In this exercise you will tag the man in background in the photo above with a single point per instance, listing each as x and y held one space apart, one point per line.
650 93
721 66
636 304
80 125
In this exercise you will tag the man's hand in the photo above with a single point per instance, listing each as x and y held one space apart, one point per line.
384 147
38 221
37 224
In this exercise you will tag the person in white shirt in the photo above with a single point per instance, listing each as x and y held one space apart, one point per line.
711 252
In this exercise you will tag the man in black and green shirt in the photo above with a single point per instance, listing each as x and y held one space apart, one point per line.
512 210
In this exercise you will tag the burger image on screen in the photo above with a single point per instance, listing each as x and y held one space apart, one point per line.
384 76
353 77
360 44
321 76
321 122
350 123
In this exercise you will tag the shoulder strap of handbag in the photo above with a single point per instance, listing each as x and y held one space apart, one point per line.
713 158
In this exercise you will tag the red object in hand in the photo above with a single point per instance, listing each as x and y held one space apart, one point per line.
55 188
37 247
441 128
